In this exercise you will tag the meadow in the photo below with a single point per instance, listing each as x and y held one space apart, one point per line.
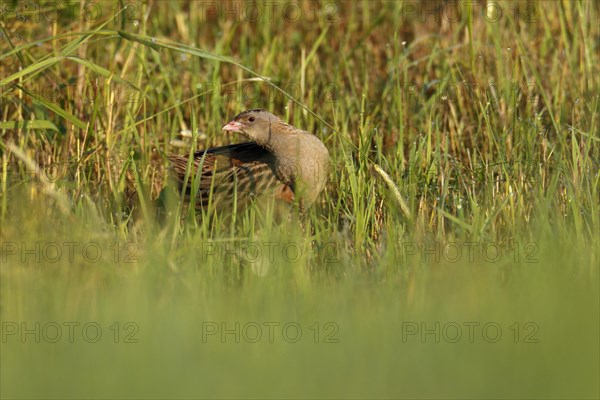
454 253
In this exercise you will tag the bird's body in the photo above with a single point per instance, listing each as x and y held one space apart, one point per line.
281 162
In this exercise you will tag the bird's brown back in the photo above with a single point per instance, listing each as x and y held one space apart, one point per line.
239 171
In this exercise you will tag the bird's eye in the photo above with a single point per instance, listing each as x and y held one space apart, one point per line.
251 119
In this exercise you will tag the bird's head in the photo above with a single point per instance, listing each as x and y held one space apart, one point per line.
258 125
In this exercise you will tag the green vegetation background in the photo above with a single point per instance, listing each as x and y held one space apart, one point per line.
484 122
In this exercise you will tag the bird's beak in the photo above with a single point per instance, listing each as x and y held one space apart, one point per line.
233 126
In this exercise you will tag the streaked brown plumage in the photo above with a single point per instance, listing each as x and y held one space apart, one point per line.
281 162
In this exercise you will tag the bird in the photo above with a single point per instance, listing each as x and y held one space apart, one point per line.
279 162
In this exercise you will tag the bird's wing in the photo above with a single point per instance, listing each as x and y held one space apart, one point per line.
243 170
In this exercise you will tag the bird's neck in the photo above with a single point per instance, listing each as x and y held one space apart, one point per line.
279 140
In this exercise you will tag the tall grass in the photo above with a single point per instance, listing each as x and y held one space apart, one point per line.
464 189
